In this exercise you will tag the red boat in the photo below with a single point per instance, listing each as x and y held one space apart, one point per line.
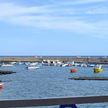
1 86
73 70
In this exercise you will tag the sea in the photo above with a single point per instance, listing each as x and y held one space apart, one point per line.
52 81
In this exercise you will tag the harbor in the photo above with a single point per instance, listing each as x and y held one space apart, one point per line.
55 53
55 61
79 59
52 78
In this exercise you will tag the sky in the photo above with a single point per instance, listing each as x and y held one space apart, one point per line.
53 27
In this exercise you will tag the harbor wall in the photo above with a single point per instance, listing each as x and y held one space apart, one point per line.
98 60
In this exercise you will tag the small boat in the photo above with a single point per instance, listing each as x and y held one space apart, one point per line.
12 63
83 65
27 63
1 86
33 64
19 63
32 67
49 63
98 69
73 70
91 65
6 65
64 65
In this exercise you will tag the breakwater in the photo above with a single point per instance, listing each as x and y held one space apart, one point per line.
89 78
3 72
98 60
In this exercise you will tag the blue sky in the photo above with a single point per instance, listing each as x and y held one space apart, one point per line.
54 27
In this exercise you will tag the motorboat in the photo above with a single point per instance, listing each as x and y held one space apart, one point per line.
33 64
83 65
6 65
1 85
32 67
12 63
19 63
98 69
65 65
73 70
91 65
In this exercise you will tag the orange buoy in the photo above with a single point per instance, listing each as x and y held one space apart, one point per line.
73 70
1 86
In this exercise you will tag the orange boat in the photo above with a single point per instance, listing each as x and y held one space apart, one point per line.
73 70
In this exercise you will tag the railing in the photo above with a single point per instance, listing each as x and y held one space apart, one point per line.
53 101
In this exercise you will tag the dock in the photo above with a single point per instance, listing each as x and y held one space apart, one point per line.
89 78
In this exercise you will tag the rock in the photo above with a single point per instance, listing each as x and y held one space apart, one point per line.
2 72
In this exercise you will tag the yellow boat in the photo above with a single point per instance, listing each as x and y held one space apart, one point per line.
97 70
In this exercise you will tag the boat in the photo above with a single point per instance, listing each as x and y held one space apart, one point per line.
91 65
46 62
98 69
27 63
19 63
73 70
32 67
83 65
33 64
6 65
50 62
1 85
64 65
12 63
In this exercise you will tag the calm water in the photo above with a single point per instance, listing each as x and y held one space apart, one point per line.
49 81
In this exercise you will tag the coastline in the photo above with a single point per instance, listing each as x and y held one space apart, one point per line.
97 60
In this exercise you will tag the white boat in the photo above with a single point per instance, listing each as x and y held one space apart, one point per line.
33 64
83 65
91 65
12 63
59 63
27 63
51 62
6 65
32 67
76 64
64 65
19 63
46 62
98 66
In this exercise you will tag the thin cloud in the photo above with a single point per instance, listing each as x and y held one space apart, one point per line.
80 2
97 29
98 10
48 17
10 9
56 23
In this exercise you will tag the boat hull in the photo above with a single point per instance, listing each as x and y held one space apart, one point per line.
97 70
32 68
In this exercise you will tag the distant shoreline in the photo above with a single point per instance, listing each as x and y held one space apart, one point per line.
54 56
77 59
